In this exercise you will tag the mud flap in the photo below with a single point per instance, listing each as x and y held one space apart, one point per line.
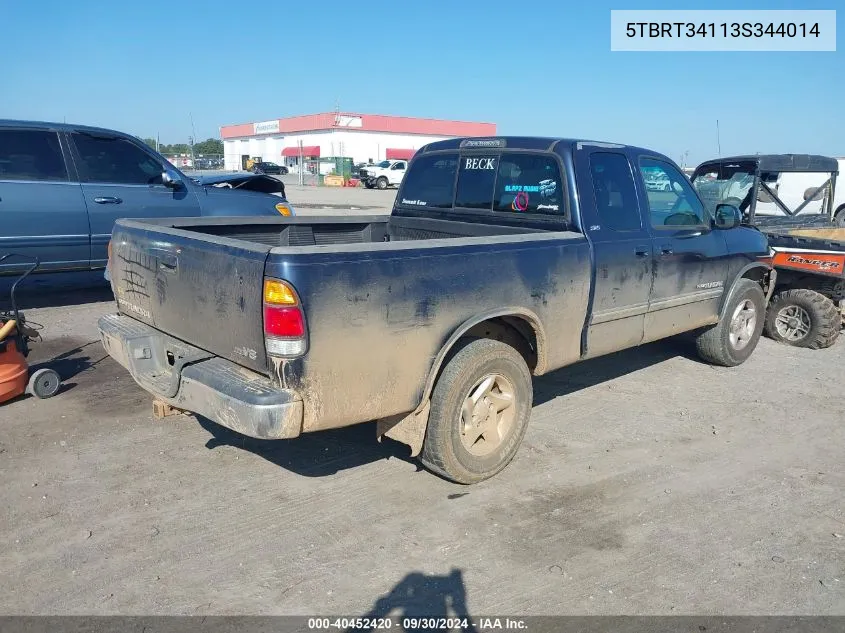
409 430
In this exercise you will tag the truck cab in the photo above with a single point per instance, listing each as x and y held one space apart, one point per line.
387 173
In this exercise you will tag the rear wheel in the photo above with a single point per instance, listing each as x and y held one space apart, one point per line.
803 318
479 412
731 341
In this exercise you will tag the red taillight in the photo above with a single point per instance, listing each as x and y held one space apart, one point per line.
285 322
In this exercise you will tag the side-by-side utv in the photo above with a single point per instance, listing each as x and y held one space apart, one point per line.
789 197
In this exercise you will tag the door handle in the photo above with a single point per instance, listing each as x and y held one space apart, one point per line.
107 200
666 250
641 251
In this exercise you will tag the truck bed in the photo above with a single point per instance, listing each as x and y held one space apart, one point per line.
328 230
813 232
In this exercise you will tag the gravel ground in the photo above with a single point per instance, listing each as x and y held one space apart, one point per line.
648 483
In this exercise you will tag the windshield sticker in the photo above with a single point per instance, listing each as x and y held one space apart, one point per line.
419 203
548 207
520 203
523 188
480 163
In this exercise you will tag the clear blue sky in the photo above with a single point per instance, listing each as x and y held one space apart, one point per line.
533 67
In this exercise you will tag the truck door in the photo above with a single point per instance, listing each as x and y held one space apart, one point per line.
397 172
120 179
690 258
42 210
612 218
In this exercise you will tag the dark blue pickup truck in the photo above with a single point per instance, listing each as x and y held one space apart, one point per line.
62 187
502 258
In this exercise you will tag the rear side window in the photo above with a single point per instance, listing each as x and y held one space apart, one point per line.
430 182
476 178
528 183
115 160
613 186
31 155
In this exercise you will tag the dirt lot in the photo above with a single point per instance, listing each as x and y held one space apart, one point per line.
648 483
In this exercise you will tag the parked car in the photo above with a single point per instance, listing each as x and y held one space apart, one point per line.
385 174
63 186
502 258
269 168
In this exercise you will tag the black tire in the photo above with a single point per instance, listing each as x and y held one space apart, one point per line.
44 383
839 216
443 449
825 321
368 185
382 183
715 345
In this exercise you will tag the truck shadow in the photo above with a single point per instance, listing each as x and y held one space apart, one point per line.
420 596
589 373
328 452
314 454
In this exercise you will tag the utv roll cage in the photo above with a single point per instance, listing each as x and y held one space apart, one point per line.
766 167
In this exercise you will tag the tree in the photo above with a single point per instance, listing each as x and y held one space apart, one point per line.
209 147
175 148
150 141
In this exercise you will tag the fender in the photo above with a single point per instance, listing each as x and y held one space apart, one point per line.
514 311
410 428
772 275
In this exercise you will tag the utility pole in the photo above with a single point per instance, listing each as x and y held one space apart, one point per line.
193 138
301 165
718 139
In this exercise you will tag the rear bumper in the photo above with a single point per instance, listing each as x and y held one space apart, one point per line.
189 378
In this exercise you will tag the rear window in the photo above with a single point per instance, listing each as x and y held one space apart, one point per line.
431 182
510 182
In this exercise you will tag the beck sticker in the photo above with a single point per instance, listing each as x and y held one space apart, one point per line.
480 163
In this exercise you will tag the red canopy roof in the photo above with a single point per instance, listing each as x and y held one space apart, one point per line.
399 154
308 150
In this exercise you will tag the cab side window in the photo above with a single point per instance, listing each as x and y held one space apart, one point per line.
399 166
615 195
31 155
115 160
528 183
672 201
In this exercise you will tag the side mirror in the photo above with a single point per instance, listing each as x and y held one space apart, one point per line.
170 178
814 193
727 217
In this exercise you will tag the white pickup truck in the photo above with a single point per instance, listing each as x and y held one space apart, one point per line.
385 174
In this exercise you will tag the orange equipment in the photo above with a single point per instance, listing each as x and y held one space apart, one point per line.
14 338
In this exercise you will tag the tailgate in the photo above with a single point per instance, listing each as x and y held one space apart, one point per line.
201 289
